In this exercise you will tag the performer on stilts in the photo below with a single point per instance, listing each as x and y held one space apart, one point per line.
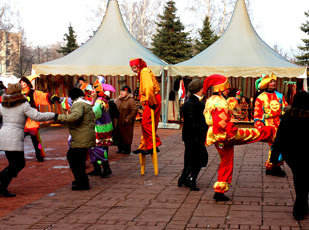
149 94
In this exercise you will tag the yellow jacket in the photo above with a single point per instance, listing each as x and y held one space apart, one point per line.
148 87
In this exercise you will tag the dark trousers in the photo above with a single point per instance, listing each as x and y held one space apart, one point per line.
37 144
124 147
17 162
301 189
195 157
77 161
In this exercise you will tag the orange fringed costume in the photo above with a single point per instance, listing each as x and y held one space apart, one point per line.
35 99
149 93
223 133
268 110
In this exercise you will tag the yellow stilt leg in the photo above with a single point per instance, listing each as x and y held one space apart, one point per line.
154 155
142 161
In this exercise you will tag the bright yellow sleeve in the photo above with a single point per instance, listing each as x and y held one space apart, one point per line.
149 87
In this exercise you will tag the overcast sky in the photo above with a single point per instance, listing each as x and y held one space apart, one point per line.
46 21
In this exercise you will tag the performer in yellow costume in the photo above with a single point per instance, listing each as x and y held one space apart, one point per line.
149 95
223 133
268 110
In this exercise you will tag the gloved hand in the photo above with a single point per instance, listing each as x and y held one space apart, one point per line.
153 106
55 98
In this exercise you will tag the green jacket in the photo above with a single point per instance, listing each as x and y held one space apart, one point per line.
81 121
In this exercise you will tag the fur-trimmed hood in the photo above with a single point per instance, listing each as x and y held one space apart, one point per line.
13 100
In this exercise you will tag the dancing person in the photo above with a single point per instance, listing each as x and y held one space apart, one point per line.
150 98
35 98
290 143
193 134
81 127
224 134
15 110
103 131
127 112
268 110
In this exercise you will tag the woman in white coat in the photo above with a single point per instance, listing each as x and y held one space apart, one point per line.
14 111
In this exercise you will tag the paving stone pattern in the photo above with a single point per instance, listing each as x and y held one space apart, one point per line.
127 200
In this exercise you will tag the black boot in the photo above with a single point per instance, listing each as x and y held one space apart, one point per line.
80 186
183 179
96 170
106 169
40 159
220 197
5 180
276 171
6 193
192 183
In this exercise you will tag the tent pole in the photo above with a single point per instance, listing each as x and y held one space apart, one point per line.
166 100
162 93
305 84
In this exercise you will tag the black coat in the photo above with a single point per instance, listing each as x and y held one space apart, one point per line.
194 131
292 139
194 128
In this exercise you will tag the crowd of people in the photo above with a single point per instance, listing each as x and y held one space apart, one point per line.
95 122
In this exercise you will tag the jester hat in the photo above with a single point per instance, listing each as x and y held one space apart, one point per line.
239 94
100 85
29 79
257 83
266 79
138 62
219 83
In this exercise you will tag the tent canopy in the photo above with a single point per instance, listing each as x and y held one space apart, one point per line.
238 52
108 52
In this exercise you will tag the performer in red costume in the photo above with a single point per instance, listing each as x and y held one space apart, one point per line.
149 95
35 98
223 133
268 110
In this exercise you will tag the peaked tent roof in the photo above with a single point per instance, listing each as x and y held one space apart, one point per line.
108 52
238 52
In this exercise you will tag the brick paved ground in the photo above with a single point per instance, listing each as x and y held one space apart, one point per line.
128 200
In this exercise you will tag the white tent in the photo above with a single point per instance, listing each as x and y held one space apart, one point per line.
238 52
108 52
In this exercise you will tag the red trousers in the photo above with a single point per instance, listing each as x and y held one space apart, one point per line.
225 170
146 138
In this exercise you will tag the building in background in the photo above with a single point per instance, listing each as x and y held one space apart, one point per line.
10 45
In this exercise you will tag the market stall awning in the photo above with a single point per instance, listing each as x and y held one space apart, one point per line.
108 52
238 52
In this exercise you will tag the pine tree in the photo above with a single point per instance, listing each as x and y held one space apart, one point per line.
170 42
207 37
304 59
71 44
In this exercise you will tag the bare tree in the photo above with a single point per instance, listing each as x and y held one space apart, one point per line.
219 13
26 57
9 17
280 51
140 17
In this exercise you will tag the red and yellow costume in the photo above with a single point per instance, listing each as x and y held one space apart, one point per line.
268 110
35 99
223 133
149 93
